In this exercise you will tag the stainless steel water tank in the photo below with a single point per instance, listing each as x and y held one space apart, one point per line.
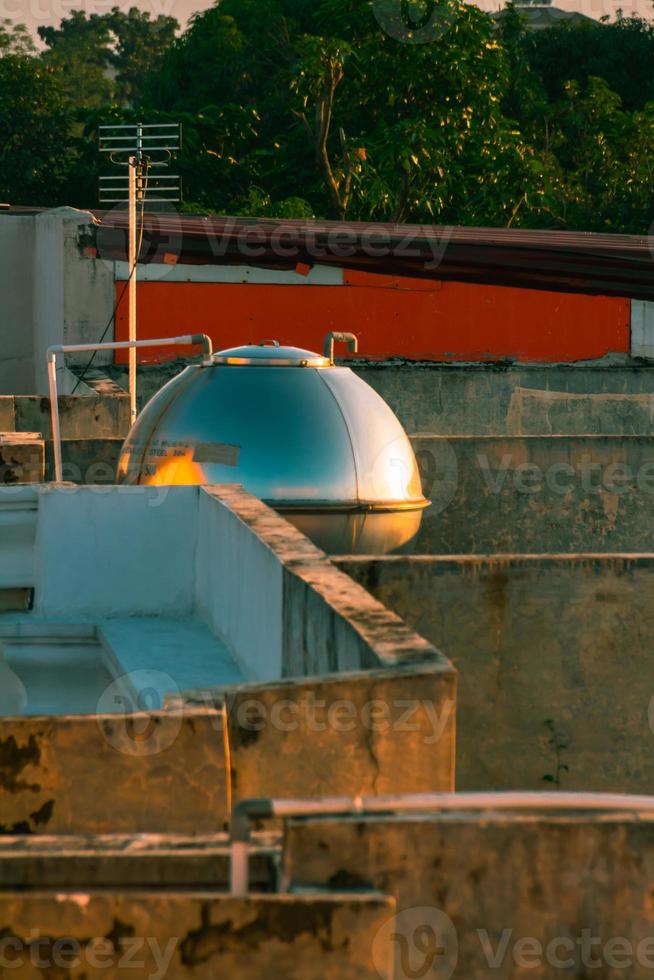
307 437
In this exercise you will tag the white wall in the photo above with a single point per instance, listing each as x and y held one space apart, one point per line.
16 305
18 519
240 589
116 551
49 294
73 295
93 553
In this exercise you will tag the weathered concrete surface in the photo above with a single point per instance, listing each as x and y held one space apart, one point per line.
373 733
142 861
501 880
554 661
153 772
86 461
21 457
496 399
329 623
80 417
17 290
7 414
536 494
195 934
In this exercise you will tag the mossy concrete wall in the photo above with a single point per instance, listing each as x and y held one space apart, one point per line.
22 458
606 397
101 416
194 934
112 774
499 895
359 733
554 655
536 494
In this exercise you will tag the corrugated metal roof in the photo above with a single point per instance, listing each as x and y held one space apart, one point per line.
583 262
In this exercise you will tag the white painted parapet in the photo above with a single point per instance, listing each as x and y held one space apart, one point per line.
18 521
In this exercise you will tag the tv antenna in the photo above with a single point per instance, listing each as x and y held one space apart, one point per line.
139 147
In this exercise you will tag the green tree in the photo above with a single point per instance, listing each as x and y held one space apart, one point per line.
139 46
78 51
35 123
15 39
622 53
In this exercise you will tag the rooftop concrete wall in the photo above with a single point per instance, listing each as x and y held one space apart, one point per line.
80 417
385 697
606 397
328 623
155 772
22 458
198 935
120 556
554 661
49 297
16 289
359 733
278 602
536 494
504 895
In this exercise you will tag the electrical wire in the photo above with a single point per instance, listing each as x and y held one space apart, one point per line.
132 273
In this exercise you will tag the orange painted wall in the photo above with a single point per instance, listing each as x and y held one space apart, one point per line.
412 318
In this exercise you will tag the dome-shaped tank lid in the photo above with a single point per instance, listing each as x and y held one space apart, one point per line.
269 353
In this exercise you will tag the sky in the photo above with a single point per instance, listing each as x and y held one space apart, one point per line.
50 12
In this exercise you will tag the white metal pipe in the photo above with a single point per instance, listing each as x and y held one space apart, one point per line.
239 870
434 802
515 802
51 357
54 413
131 263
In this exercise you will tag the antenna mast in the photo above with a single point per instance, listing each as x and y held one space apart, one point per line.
139 147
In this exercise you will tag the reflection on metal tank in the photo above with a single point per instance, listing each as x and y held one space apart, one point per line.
309 438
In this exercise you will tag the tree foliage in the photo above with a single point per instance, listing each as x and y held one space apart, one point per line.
348 109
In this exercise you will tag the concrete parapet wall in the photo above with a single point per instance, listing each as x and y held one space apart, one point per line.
372 733
195 934
328 622
80 416
145 861
536 494
22 458
554 660
505 895
155 772
494 399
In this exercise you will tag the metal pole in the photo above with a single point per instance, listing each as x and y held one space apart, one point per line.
131 264
240 869
54 414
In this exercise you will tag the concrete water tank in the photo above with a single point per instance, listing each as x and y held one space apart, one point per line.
309 438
